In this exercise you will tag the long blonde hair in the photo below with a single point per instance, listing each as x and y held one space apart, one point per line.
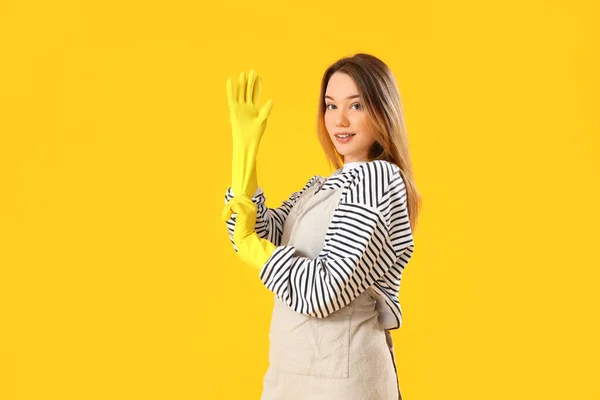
381 97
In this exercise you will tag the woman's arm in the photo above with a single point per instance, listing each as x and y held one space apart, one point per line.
366 239
269 221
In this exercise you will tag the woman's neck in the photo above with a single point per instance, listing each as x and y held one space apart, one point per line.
349 165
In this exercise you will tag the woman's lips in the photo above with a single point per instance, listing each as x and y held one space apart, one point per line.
341 139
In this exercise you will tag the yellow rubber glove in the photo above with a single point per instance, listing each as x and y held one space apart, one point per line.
251 248
247 127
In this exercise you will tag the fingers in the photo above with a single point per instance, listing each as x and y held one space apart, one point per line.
248 91
241 89
266 110
256 92
250 86
226 213
241 204
230 93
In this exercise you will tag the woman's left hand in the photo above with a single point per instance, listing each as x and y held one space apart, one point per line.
252 249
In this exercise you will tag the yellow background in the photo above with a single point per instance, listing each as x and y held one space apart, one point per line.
117 278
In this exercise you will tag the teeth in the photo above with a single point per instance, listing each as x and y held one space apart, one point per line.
343 136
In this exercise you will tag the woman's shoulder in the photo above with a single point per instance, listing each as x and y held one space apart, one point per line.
373 181
378 172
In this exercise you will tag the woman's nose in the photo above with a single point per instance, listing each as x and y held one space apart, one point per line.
341 120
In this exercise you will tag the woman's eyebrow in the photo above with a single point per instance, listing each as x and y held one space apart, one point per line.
349 97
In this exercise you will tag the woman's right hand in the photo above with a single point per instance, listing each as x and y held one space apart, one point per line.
247 126
248 123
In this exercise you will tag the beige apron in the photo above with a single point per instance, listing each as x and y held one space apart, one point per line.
345 356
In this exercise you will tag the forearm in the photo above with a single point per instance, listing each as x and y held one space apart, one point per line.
243 169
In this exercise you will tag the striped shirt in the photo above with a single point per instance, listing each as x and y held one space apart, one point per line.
368 244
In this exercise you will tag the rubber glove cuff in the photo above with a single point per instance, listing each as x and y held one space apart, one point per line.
252 249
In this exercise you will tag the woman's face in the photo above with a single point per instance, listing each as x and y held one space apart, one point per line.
344 114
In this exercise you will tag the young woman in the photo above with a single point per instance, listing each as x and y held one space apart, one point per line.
333 252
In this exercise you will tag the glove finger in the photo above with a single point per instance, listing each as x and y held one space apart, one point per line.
241 89
238 205
266 110
250 86
226 213
257 87
230 94
242 204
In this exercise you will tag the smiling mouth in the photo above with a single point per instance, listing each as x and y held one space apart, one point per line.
343 139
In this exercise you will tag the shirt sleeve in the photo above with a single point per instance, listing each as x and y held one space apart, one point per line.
269 221
364 240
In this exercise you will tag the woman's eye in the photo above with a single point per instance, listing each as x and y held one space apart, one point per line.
332 105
